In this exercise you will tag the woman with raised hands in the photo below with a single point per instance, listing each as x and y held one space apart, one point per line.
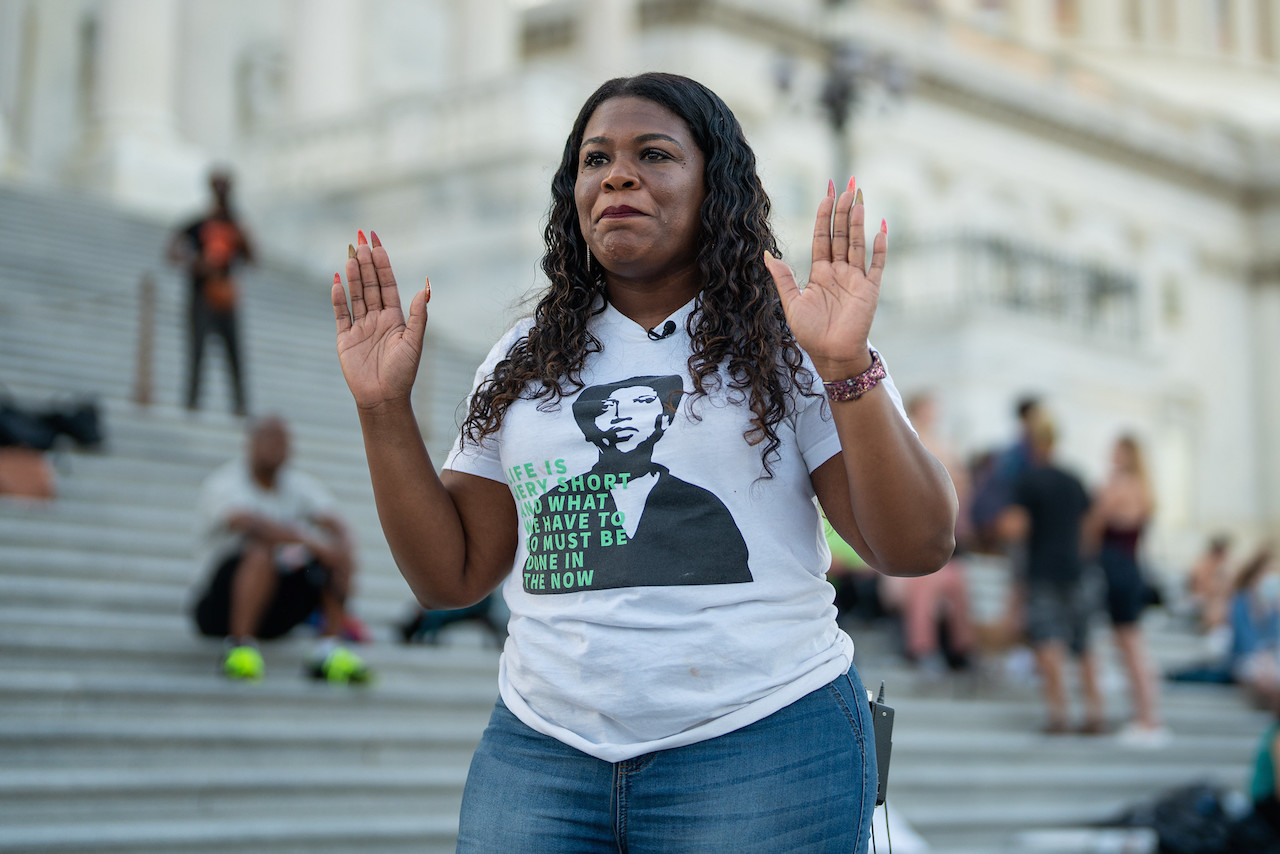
637 468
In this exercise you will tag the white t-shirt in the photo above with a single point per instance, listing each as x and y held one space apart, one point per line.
664 591
298 499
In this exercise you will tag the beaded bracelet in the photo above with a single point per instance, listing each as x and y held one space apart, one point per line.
855 387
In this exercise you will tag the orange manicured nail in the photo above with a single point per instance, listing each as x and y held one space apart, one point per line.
373 238
831 188
351 251
852 184
337 280
360 238
428 299
884 228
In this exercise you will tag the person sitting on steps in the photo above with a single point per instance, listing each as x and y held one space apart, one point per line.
276 552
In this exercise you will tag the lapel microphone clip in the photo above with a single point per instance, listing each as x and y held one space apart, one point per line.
668 329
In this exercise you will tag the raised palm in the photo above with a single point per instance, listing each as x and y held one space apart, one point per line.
831 317
378 350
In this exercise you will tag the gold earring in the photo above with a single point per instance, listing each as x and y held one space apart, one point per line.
588 259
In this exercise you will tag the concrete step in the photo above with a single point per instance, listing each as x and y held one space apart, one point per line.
234 742
376 577
375 834
34 601
1067 751
116 734
85 650
399 694
31 798
160 628
1003 784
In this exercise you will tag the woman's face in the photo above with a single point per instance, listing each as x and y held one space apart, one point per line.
640 189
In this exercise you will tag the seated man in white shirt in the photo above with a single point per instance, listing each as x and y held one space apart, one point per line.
276 552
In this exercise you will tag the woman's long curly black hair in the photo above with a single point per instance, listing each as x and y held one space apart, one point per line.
738 323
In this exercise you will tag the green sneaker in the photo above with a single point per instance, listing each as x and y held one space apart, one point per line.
341 666
244 662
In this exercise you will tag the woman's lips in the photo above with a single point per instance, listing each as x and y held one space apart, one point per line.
619 211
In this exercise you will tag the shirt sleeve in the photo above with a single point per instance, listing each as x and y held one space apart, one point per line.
214 501
484 458
815 426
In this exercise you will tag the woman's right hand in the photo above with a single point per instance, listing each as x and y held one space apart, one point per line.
378 350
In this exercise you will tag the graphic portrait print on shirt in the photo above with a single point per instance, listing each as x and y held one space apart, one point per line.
628 521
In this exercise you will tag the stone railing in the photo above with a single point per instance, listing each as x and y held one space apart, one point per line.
442 131
953 276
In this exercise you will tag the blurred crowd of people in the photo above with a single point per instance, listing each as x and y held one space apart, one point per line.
1075 555
1238 614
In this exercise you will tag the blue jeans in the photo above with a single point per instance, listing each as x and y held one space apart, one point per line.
801 780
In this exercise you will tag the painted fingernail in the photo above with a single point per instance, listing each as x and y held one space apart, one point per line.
852 183
831 188
337 280
373 238
360 238
884 228
428 299
351 251
857 199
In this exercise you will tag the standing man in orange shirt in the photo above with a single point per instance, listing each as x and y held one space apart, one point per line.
209 248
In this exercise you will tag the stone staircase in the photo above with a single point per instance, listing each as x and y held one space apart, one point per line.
116 734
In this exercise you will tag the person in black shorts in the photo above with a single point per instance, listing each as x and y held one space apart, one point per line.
1048 511
277 554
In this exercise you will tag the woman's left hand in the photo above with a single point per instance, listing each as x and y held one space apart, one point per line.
831 317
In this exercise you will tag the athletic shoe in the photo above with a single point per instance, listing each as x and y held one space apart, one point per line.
340 666
244 663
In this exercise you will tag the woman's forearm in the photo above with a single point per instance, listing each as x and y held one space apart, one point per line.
902 497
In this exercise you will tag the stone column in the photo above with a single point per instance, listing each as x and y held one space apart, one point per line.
956 8
1102 22
326 64
1191 26
606 41
135 153
1244 29
488 40
13 19
1150 22
1265 314
48 116
1271 20
1034 22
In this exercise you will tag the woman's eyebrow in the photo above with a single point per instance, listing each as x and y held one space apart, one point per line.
644 137
650 137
